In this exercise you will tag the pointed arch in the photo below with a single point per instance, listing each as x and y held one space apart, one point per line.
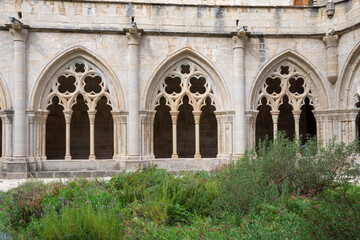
318 85
5 97
42 86
348 90
221 92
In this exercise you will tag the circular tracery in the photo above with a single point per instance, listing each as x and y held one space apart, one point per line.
185 78
79 77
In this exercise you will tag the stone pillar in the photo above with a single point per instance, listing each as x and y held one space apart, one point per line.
275 118
31 134
296 115
43 137
92 114
3 129
197 115
238 85
174 117
19 73
67 115
331 42
133 36
219 134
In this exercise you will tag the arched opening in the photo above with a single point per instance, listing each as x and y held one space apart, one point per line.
208 131
162 131
80 130
307 121
55 131
286 119
104 130
264 122
186 130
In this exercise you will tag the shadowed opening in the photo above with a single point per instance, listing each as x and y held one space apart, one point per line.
264 123
162 131
104 130
55 131
286 121
80 130
208 131
186 130
307 121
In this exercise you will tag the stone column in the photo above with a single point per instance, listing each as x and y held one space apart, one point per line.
43 137
174 117
3 129
275 118
197 115
219 134
19 73
92 114
238 85
67 115
133 36
296 115
31 134
331 42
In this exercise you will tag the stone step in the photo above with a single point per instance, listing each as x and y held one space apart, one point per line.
71 174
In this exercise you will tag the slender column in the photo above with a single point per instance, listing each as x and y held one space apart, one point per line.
219 137
174 117
19 74
38 135
116 140
67 114
92 114
331 43
238 85
43 138
3 154
31 135
152 119
297 123
275 118
197 115
9 135
133 37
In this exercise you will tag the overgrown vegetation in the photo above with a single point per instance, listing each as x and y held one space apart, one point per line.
280 191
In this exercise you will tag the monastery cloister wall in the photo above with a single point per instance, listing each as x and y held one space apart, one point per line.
191 42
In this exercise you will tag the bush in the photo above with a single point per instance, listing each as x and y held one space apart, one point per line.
284 165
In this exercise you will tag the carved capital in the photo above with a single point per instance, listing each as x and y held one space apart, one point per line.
67 115
331 40
133 38
197 115
19 34
174 116
275 116
240 39
91 114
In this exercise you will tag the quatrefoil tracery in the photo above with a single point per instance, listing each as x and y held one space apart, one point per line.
188 79
286 80
79 78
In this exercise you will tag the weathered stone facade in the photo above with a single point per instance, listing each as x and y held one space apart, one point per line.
84 92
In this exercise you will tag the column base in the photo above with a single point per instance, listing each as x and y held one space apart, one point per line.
68 157
92 157
15 168
174 156
197 156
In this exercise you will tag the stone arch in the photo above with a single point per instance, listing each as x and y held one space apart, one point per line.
5 95
319 89
288 81
348 91
43 85
221 93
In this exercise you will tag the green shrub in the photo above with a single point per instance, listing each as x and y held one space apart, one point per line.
285 165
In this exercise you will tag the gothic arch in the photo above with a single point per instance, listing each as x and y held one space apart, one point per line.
319 91
5 97
42 87
348 90
220 92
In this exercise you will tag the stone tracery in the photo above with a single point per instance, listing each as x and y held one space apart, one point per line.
286 85
79 83
185 83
